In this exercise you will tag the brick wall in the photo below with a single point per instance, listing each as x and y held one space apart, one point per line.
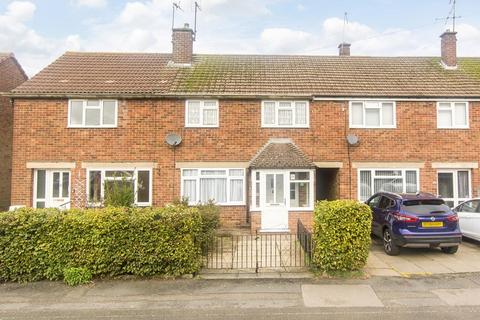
10 77
143 125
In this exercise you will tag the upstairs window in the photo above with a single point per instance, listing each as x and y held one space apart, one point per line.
201 113
372 114
452 115
285 114
92 113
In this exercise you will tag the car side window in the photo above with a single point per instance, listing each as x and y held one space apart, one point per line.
374 202
470 206
386 203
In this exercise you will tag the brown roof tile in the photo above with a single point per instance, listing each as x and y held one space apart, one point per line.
149 74
281 155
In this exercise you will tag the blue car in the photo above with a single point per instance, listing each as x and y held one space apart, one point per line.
414 220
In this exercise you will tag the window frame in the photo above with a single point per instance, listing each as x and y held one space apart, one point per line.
373 176
135 179
85 107
202 107
292 107
227 176
452 109
364 126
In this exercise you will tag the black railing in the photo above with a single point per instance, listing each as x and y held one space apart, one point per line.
267 250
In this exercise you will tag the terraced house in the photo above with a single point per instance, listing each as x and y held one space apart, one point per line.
263 136
11 75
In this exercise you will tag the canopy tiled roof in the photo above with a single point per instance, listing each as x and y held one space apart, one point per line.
281 155
151 74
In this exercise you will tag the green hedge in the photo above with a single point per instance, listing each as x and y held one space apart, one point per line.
341 233
40 244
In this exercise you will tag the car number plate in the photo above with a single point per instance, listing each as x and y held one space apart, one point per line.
432 224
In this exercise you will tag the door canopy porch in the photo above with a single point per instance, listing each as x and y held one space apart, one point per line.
281 154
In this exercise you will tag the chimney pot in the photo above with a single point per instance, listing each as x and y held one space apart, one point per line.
344 49
182 45
449 49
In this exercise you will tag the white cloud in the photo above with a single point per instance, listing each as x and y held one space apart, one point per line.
92 3
33 50
284 40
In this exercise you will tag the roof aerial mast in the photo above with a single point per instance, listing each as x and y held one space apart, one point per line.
197 8
175 7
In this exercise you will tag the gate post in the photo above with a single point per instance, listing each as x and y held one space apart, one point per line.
256 252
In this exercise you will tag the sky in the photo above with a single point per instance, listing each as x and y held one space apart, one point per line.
39 31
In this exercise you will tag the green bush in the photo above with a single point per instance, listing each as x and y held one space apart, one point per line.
76 276
40 244
341 233
119 194
210 213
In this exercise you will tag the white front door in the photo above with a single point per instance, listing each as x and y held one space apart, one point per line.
52 189
273 196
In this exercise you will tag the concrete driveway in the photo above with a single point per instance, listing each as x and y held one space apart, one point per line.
423 261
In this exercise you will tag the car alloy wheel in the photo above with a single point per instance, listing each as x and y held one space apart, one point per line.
387 241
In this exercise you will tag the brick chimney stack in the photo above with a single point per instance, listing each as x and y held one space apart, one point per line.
182 43
449 49
344 49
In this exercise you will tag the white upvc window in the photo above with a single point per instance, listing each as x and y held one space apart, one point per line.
371 181
285 114
139 180
452 115
454 186
224 186
201 113
372 114
92 113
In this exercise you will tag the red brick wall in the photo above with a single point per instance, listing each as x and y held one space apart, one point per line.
143 125
10 77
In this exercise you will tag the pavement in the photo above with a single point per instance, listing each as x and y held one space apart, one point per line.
415 261
447 296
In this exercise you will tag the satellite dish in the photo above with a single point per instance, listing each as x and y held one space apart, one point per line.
352 139
173 139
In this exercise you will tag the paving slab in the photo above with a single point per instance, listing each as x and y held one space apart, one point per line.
459 297
339 296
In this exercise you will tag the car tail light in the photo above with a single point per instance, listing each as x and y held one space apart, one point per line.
453 218
405 218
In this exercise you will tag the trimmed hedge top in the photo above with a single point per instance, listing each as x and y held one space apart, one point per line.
341 233
38 244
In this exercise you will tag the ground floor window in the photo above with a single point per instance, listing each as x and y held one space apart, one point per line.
454 186
51 188
371 181
223 186
101 181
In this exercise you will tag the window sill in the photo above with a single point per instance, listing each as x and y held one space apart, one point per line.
204 127
360 127
453 128
92 127
285 127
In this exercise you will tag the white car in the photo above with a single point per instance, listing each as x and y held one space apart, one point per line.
469 215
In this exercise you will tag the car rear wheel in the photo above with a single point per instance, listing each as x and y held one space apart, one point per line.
450 250
388 245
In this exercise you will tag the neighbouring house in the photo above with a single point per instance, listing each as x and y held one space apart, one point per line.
265 136
11 75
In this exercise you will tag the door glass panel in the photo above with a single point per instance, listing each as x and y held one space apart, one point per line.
41 184
463 185
445 184
279 189
65 184
270 188
56 185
